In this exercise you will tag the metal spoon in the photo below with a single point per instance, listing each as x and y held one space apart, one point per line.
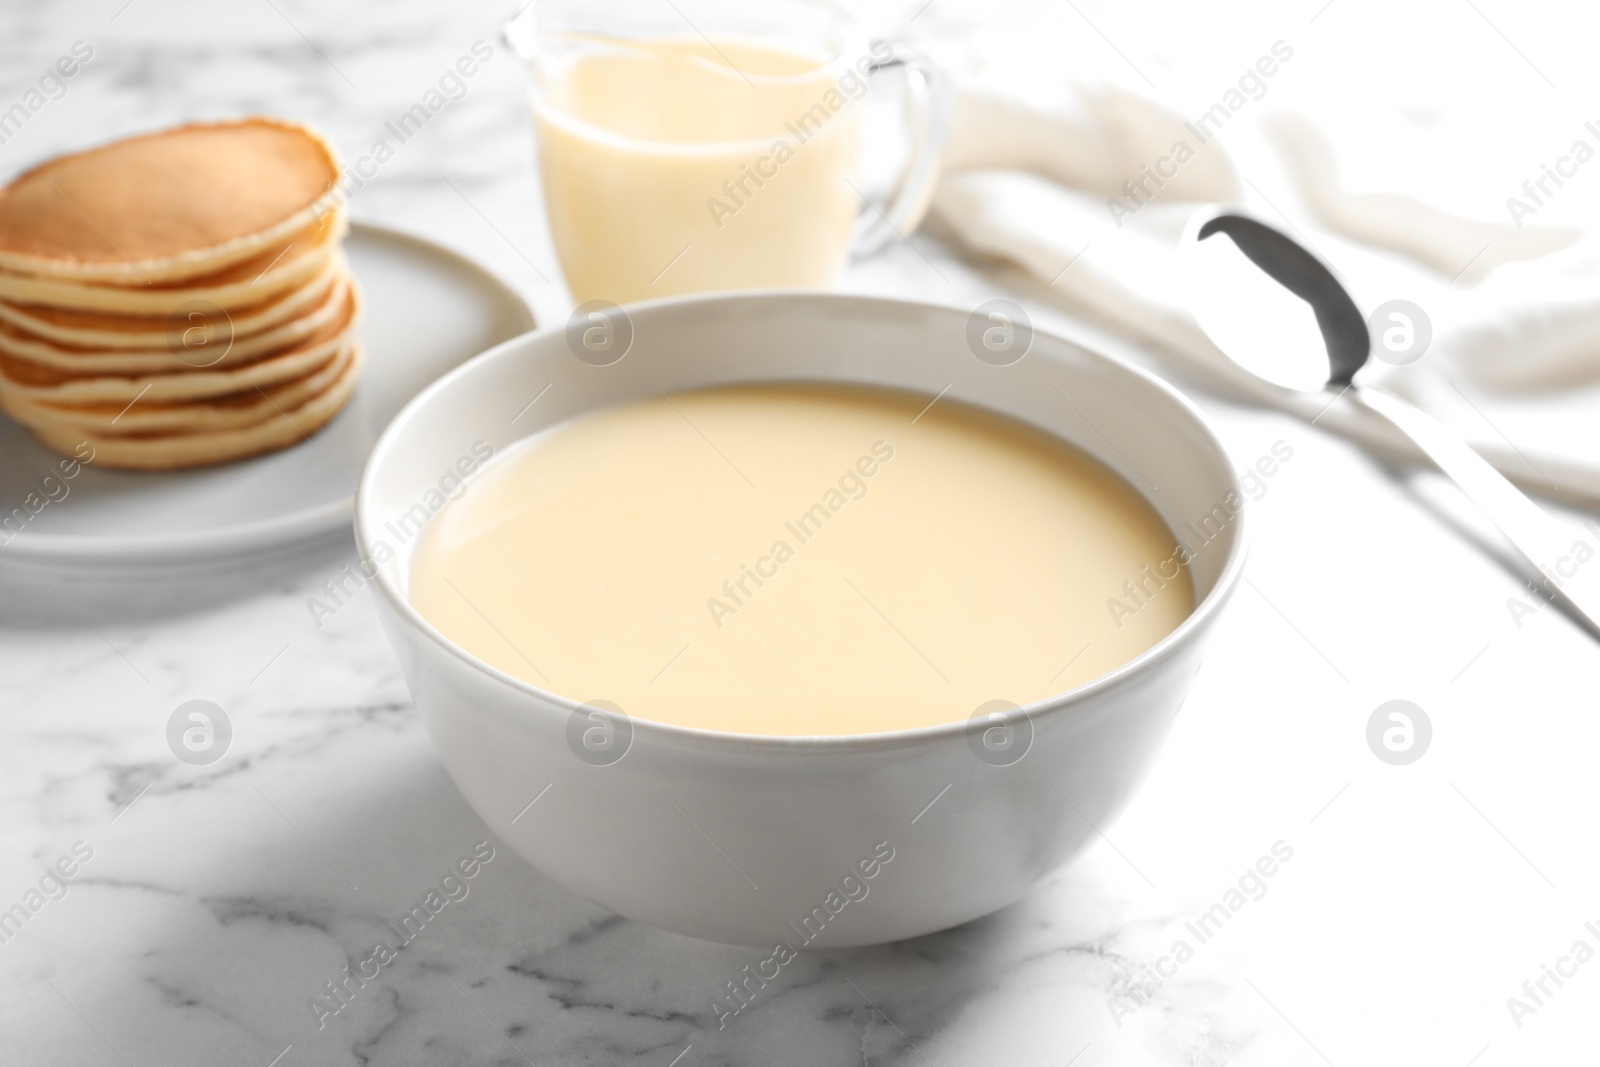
1348 345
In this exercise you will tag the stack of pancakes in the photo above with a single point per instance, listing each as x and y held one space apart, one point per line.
178 299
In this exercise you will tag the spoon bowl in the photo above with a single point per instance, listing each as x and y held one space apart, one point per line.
1300 274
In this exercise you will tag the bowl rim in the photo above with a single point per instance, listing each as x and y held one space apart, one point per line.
1186 633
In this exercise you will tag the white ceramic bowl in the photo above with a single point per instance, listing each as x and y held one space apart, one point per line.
757 840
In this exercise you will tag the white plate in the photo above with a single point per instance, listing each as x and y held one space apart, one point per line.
428 309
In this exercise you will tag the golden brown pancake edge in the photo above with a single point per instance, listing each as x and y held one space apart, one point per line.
167 205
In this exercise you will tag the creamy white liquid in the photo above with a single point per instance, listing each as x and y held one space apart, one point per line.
799 560
683 165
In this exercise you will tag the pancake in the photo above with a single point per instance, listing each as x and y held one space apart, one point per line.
51 385
101 330
166 359
180 298
278 269
166 206
172 451
205 415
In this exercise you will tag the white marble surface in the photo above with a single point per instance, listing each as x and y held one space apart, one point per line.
219 900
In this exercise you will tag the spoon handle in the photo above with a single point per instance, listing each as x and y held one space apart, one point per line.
1540 540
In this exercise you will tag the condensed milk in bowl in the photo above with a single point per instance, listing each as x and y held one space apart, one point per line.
803 586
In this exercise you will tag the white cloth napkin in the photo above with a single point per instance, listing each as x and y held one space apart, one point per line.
1513 308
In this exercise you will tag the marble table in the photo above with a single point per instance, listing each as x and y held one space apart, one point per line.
208 906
